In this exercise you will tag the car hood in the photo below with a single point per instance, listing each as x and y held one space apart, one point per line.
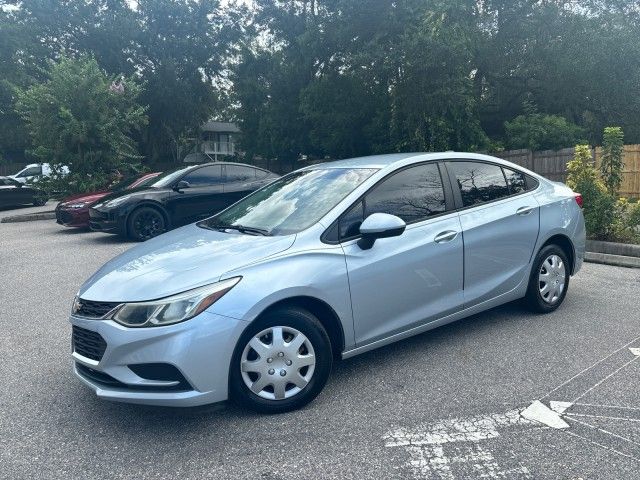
177 261
84 197
133 192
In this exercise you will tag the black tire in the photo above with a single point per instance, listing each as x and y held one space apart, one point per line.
145 223
305 323
39 200
534 299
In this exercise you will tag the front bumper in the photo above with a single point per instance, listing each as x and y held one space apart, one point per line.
100 221
200 349
70 217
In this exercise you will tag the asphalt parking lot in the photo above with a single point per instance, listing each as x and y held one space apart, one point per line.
446 404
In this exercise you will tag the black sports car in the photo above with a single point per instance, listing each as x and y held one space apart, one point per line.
176 198
14 193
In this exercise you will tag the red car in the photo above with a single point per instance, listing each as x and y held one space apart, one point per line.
74 211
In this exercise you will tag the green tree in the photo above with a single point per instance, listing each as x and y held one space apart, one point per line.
611 163
537 131
76 118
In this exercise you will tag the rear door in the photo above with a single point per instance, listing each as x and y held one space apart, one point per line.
405 281
240 181
500 221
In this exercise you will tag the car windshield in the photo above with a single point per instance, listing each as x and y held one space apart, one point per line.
292 203
167 179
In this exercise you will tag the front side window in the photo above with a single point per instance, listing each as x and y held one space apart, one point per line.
478 182
292 203
413 194
211 175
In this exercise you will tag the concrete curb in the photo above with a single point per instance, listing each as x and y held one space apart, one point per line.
613 248
609 259
29 217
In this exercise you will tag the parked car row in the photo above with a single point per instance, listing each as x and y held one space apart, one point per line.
73 211
152 204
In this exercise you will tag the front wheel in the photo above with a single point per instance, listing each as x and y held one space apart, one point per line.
549 280
281 362
145 223
39 200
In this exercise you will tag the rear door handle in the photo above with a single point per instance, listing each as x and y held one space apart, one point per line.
524 210
446 236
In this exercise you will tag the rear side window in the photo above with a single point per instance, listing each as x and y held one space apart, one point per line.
413 194
478 182
210 175
237 173
516 180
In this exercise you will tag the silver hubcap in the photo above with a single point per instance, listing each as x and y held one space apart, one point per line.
551 279
278 363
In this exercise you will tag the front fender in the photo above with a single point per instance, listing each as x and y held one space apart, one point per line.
319 273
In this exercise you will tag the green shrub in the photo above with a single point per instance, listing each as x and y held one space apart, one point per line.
626 221
599 206
612 163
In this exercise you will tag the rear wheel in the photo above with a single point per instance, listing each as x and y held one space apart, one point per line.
145 223
549 280
281 362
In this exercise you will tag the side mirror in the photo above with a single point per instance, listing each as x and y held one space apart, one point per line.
181 185
379 225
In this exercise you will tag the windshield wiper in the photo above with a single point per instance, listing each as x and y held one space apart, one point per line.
241 229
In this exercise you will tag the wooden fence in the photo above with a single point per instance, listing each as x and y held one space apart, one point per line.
552 164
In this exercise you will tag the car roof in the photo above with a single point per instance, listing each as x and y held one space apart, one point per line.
390 159
393 160
229 163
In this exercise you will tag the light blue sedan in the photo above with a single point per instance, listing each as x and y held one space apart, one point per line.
256 302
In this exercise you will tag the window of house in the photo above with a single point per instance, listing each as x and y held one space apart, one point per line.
479 182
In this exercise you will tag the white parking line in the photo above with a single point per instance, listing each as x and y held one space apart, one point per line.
438 449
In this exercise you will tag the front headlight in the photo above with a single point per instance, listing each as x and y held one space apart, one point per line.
115 202
174 309
77 205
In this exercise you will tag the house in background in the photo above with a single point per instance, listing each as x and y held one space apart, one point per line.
217 141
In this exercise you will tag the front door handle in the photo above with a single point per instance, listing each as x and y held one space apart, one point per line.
524 210
446 236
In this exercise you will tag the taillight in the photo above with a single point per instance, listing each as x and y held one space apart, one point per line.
578 198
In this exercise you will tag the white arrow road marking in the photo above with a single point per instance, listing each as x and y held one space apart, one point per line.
437 447
635 351
559 407
539 412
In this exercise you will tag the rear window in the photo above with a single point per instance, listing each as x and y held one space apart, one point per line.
479 182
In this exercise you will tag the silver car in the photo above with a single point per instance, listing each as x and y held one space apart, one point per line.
256 302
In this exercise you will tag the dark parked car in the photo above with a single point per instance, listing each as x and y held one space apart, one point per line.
73 211
176 198
14 193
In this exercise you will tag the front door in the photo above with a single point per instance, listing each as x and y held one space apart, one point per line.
202 198
403 282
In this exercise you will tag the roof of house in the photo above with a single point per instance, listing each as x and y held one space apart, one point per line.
214 126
